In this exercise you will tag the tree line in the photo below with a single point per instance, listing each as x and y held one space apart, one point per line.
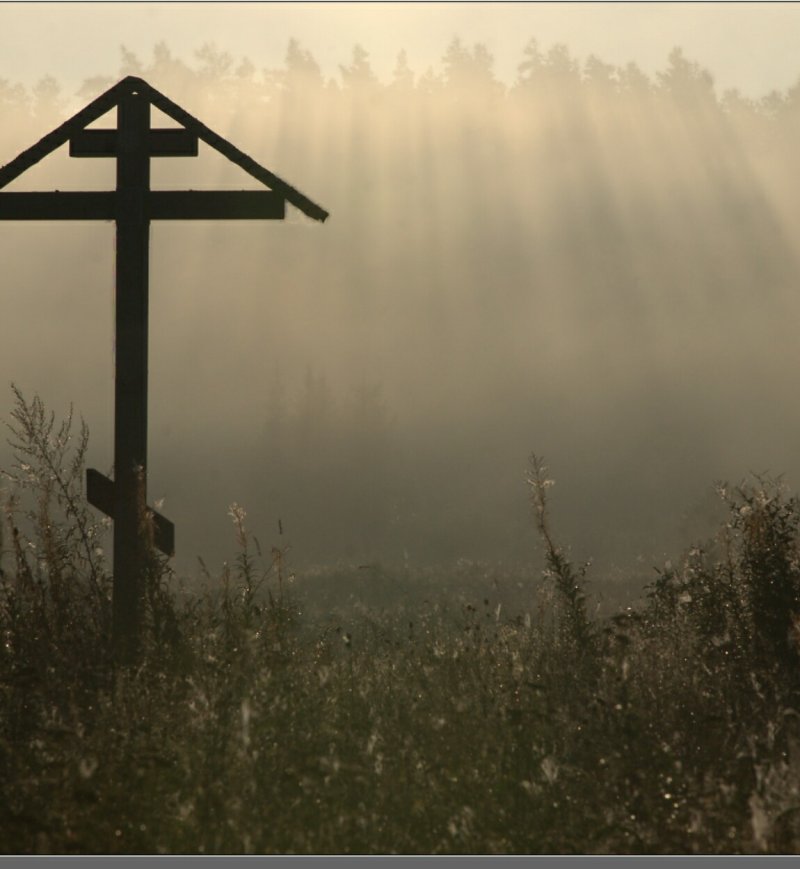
463 68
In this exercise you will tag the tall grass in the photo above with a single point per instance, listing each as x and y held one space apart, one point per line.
376 713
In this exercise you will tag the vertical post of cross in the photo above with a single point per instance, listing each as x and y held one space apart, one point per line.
130 386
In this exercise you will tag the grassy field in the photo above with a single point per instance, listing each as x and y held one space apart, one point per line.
470 710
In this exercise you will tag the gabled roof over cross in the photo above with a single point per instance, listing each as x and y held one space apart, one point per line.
85 142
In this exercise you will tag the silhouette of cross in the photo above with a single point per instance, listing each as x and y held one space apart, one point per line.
132 206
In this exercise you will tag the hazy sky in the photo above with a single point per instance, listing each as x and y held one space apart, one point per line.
752 46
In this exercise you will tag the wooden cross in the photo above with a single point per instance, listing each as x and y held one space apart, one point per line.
132 206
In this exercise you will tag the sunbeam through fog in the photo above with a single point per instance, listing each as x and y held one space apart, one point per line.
592 263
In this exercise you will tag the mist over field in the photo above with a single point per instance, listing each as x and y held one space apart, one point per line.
587 275
590 263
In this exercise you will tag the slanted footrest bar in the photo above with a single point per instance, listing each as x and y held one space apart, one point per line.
100 494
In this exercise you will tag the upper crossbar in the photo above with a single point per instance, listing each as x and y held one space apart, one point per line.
160 143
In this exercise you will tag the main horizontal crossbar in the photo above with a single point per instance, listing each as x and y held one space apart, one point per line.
215 204
58 206
160 143
159 205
